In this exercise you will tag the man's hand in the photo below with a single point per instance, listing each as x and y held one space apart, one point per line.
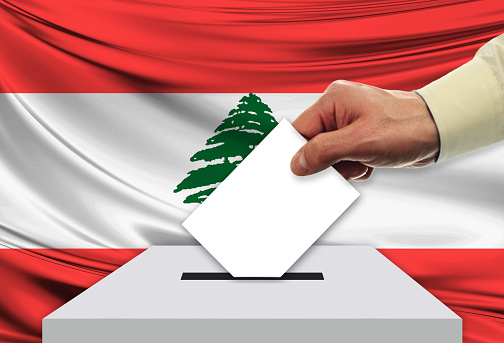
355 128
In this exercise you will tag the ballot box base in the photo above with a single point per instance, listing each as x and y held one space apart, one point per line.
362 298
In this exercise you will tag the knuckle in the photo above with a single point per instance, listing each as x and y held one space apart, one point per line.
338 85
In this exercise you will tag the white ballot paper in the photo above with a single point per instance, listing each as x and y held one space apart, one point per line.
262 217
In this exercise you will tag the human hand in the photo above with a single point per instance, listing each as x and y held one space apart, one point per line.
355 128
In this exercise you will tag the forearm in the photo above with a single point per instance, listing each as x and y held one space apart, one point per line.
468 103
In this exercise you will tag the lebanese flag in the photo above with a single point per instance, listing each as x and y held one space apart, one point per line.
104 105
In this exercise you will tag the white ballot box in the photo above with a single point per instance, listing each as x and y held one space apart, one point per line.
347 294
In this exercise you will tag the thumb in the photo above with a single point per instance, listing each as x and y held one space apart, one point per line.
324 150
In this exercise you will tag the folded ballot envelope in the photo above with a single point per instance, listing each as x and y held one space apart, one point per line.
262 217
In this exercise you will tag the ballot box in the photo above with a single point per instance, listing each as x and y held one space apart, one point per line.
178 294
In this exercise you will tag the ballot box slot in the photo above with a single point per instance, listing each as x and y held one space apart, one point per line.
208 276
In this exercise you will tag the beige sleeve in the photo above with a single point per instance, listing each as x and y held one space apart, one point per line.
468 103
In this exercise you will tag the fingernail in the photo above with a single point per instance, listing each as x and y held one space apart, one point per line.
299 165
357 173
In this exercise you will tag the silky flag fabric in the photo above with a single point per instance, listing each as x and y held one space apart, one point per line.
103 104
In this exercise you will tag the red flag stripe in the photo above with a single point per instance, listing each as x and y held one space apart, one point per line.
228 46
36 282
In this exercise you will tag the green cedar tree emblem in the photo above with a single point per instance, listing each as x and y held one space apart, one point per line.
237 135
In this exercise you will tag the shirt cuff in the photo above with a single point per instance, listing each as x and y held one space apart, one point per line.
465 105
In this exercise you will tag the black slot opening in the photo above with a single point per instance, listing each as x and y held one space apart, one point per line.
191 276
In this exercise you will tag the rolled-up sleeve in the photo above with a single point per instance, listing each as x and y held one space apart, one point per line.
468 103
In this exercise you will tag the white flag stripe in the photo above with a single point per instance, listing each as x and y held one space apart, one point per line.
98 170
